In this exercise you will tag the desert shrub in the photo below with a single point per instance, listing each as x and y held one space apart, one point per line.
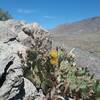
68 80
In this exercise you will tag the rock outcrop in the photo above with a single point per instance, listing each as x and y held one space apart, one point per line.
16 37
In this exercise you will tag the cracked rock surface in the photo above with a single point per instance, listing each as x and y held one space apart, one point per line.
15 37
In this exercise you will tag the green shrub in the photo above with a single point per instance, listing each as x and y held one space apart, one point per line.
45 75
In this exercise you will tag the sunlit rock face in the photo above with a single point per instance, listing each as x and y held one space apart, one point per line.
16 37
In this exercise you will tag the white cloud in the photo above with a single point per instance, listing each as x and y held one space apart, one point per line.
26 11
49 17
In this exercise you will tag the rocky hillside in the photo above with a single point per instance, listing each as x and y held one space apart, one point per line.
84 34
30 71
85 37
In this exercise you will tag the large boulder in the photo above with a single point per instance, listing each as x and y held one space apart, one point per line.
11 75
16 37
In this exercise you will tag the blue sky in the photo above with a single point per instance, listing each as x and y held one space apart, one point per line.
50 13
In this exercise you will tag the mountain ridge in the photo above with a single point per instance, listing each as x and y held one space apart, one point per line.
86 25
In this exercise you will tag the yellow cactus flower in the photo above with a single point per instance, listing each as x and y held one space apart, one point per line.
54 61
54 54
54 57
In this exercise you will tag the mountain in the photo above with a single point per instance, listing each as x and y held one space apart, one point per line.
87 26
84 34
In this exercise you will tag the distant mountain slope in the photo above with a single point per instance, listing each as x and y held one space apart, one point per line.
87 25
83 34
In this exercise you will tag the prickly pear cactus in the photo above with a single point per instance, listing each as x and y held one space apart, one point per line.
79 79
76 82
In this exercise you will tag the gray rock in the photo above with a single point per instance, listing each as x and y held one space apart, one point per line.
30 89
7 35
18 37
11 80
